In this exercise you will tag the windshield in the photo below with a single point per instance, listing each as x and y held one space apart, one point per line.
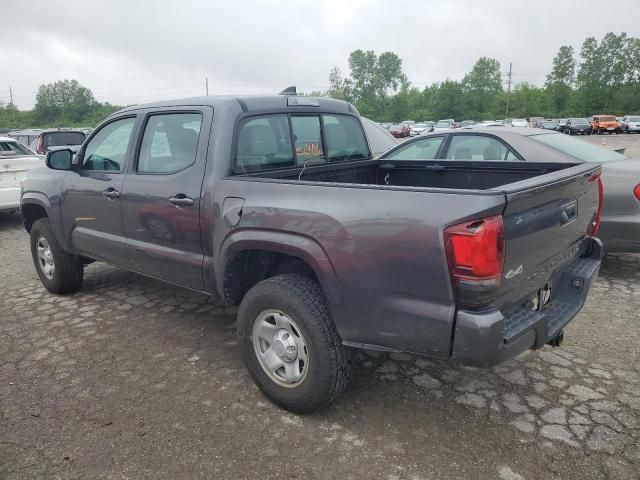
57 139
607 119
578 148
14 148
579 121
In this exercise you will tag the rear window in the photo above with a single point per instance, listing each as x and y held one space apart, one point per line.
581 149
579 121
57 139
607 119
280 141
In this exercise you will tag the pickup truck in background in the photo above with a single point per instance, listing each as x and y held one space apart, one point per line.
275 204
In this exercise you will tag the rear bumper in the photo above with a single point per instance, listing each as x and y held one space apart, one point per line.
491 337
9 198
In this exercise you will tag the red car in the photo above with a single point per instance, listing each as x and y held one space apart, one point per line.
400 131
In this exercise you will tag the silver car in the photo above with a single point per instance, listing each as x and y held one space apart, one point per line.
620 222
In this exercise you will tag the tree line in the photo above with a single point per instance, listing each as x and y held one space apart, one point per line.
604 77
65 103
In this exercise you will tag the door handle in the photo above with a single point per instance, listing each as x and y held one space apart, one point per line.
111 193
181 200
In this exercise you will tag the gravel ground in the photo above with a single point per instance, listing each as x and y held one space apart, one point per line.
630 142
131 378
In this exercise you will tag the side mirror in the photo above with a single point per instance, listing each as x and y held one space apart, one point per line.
60 159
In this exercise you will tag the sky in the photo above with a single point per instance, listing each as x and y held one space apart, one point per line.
133 51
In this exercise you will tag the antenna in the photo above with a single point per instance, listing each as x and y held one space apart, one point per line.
289 91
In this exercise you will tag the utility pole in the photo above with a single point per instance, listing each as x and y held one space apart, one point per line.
13 109
206 85
506 115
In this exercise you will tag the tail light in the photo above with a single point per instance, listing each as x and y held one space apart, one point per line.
40 146
475 253
636 191
595 224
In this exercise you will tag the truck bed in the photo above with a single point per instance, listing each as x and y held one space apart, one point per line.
457 175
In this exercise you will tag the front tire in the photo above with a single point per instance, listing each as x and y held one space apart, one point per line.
59 271
290 344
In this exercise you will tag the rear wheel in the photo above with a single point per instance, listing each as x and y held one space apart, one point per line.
59 271
290 344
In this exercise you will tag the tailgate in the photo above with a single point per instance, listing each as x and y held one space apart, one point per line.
545 219
13 170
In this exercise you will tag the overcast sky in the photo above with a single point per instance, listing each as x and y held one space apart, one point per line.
130 51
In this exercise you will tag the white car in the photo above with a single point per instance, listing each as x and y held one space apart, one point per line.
519 122
15 162
418 128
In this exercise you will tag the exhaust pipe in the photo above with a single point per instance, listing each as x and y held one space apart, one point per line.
557 340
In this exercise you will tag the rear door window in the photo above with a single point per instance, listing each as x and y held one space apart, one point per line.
169 143
423 149
478 147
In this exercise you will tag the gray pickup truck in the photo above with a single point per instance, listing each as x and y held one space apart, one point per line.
275 204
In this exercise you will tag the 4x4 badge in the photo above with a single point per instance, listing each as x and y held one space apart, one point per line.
513 272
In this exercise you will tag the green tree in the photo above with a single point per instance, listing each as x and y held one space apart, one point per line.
339 87
482 86
560 80
65 99
449 101
527 100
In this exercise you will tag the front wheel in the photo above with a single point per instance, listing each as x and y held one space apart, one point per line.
290 344
59 271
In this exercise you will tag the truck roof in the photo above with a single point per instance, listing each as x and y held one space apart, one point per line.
253 103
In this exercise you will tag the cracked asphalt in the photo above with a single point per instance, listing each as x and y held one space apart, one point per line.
131 378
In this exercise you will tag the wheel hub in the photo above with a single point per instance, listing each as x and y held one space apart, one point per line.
285 346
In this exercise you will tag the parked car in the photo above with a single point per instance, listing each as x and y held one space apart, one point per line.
49 139
630 124
535 121
409 123
399 130
620 223
604 124
547 124
429 127
467 123
380 140
575 126
516 122
417 129
561 124
26 137
16 160
283 212
442 125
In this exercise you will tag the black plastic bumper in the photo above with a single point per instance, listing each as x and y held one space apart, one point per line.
491 337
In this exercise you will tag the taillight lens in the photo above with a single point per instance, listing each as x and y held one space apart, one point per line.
40 147
595 224
636 191
476 249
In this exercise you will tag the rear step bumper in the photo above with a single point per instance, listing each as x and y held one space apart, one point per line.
491 337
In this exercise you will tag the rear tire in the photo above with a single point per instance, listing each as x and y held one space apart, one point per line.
59 271
291 308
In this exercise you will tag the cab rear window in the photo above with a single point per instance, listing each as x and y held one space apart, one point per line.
284 141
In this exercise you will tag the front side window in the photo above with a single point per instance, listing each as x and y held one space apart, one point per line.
477 147
169 143
108 148
423 149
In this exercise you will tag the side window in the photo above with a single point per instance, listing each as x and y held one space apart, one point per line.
169 143
477 147
264 143
108 148
344 138
306 135
424 149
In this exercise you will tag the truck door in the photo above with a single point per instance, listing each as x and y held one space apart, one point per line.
161 195
91 194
